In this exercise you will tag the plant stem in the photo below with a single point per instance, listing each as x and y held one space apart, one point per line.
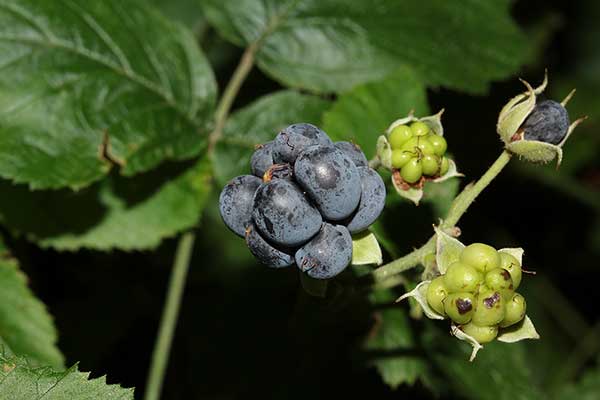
459 206
230 93
162 347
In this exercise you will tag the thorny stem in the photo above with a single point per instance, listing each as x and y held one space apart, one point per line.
459 206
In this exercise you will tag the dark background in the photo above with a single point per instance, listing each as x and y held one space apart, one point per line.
245 330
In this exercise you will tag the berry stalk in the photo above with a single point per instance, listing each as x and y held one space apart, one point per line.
459 206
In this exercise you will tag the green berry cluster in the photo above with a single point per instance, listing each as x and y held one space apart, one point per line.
477 292
417 151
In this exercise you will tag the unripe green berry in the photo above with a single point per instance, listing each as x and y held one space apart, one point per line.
483 334
459 307
513 266
480 256
400 158
431 165
419 128
439 144
418 145
436 293
461 277
411 172
444 166
515 310
489 308
399 136
498 279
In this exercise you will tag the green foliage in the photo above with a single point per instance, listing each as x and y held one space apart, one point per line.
259 123
587 388
26 328
334 45
88 85
20 381
365 112
124 213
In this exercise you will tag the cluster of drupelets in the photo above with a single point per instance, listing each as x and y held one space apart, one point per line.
306 196
478 292
418 152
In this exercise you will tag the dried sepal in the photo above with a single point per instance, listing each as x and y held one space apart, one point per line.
460 335
448 250
519 331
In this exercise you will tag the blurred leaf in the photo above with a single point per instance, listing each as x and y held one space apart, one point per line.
186 11
85 85
393 340
26 328
440 196
259 123
365 249
333 45
20 381
365 112
588 387
122 213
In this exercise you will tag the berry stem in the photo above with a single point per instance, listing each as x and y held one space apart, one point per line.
162 347
459 206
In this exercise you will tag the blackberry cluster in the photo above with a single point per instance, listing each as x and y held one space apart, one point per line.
478 292
417 151
306 196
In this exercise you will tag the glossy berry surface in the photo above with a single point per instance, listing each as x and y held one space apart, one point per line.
330 179
444 166
498 279
419 128
262 159
327 254
490 308
372 200
400 158
513 266
283 215
294 139
265 252
399 135
461 277
436 293
483 334
236 202
278 171
353 152
431 165
480 256
412 171
548 122
516 307
439 144
459 307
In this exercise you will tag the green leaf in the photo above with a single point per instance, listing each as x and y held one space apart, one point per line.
87 85
333 45
186 11
587 388
122 213
365 249
258 123
392 337
365 112
26 327
20 381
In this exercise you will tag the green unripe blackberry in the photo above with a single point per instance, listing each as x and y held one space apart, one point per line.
439 144
444 166
400 158
489 308
460 307
419 128
461 277
436 293
513 266
399 136
412 171
498 279
483 334
515 310
431 165
480 256
418 145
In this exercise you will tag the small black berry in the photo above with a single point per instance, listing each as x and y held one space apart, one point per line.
548 122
